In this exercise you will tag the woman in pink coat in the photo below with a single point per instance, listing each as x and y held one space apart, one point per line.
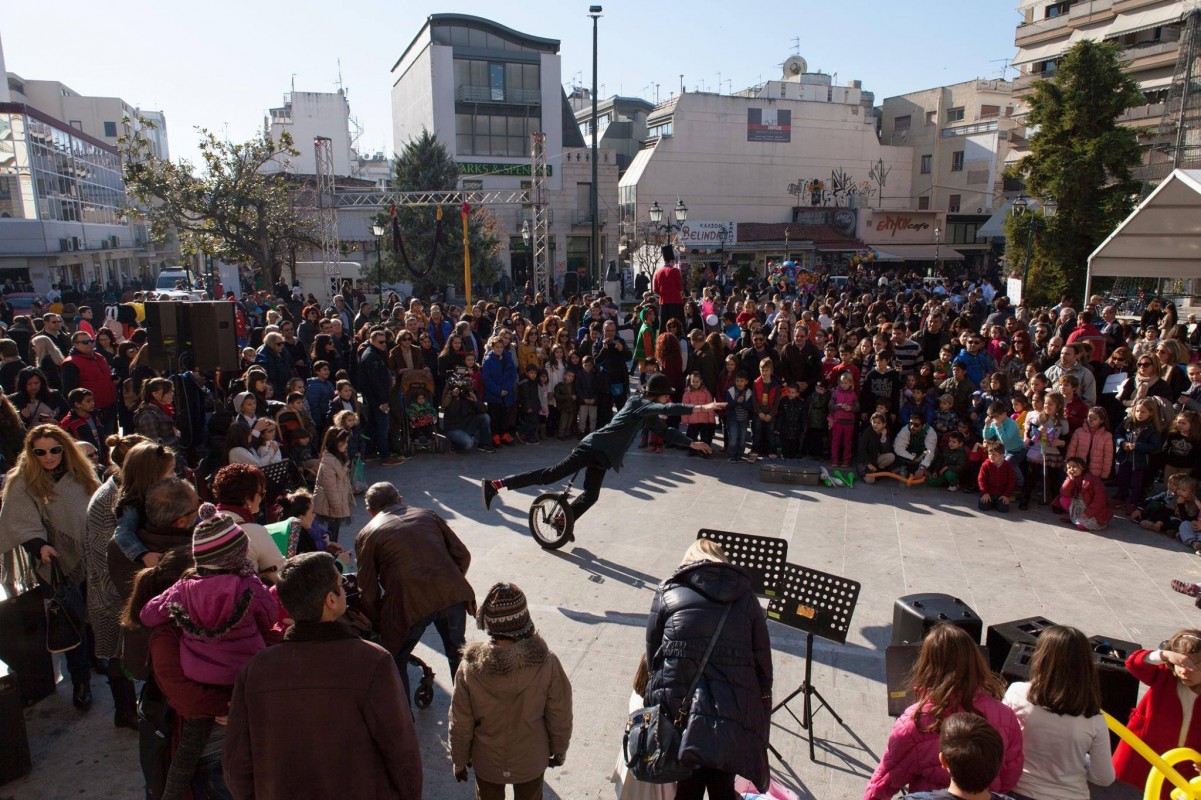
1083 498
951 675
1093 443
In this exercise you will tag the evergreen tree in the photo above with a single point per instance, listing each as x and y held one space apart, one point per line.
425 165
1083 159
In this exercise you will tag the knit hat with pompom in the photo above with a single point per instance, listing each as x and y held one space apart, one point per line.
504 614
218 544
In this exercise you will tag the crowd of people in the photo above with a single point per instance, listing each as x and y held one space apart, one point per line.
201 511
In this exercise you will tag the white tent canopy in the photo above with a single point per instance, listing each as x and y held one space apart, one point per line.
1160 239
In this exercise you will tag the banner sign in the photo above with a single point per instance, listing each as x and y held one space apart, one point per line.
707 234
768 125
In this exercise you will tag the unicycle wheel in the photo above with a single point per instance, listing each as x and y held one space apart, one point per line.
551 521
424 694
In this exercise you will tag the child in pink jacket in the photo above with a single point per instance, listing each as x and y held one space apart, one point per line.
701 424
1093 443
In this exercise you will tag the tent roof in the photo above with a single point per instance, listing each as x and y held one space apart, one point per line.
1160 238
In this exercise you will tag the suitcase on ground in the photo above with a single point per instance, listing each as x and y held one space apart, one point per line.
14 758
23 627
806 473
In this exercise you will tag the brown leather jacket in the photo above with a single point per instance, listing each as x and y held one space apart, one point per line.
411 564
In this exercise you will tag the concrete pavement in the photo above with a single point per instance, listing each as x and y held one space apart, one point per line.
590 602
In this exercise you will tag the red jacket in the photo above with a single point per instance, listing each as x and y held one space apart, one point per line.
668 283
1157 722
998 481
90 372
1090 333
1092 492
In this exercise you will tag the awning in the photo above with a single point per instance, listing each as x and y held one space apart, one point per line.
1137 21
915 252
1040 52
1161 237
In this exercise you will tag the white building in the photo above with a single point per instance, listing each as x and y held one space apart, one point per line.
305 116
483 89
796 150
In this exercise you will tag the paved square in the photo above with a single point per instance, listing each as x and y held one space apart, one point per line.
590 603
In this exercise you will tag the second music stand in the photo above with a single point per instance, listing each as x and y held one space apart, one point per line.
761 556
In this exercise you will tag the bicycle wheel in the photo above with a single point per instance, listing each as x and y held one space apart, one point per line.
545 510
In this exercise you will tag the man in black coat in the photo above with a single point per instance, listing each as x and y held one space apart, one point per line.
375 383
750 358
610 354
800 361
932 338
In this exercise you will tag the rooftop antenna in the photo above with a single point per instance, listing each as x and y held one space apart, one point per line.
293 83
796 45
339 84
1005 66
719 82
656 94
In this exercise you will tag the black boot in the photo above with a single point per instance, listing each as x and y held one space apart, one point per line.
125 699
82 696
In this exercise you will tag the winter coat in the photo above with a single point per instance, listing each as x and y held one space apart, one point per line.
905 446
611 356
727 726
800 364
997 480
911 756
345 705
1095 447
374 379
767 397
411 565
790 418
1089 489
567 397
527 396
705 362
318 394
334 496
1157 721
500 374
223 618
872 445
279 371
819 407
698 397
1146 439
152 421
64 515
92 372
668 283
511 710
843 397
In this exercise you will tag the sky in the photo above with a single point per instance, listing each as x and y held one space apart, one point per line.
221 64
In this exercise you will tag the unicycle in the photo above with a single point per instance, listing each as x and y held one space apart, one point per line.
551 518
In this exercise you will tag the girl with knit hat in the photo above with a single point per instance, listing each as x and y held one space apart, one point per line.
510 716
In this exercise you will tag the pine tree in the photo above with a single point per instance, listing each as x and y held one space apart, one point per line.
1083 159
425 165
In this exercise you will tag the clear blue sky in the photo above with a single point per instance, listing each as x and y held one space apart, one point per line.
222 64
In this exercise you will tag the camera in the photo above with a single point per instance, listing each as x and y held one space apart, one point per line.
460 379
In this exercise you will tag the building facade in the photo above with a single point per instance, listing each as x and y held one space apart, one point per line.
620 120
306 116
797 150
483 90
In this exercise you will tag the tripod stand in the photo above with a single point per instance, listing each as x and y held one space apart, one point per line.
819 604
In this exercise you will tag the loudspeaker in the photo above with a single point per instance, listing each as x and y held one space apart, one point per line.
1002 637
1017 663
899 661
211 334
14 756
1119 689
914 615
165 339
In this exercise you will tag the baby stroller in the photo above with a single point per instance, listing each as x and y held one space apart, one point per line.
414 382
423 695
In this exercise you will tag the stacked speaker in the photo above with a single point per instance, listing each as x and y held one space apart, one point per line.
204 331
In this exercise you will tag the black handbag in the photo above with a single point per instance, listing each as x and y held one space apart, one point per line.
651 746
23 626
66 613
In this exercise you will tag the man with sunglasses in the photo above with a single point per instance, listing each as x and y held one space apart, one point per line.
1069 364
84 368
975 359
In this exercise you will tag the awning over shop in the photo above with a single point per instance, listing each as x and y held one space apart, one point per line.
1137 21
916 252
1161 238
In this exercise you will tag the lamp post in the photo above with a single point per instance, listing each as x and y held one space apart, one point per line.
680 216
594 205
379 230
937 250
1020 206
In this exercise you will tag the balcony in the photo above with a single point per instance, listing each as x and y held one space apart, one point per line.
583 217
1141 116
966 130
483 94
1084 12
1150 54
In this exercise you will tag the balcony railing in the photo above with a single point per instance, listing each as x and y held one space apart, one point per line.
584 217
483 94
1148 49
1148 111
966 130
1081 13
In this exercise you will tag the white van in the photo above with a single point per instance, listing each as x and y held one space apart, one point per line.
314 281
176 283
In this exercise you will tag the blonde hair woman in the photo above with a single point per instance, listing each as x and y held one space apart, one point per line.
45 512
49 359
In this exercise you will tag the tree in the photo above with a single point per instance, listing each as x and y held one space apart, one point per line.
425 165
1080 157
230 210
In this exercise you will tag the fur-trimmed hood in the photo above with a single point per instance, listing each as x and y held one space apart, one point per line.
489 660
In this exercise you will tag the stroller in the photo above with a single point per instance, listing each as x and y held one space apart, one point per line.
414 382
423 695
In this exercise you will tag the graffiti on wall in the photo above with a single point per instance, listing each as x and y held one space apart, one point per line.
840 191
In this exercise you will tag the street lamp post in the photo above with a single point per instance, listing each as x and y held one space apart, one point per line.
594 12
680 216
937 250
379 231
1020 206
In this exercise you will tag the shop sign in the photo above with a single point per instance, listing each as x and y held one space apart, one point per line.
707 234
899 227
484 168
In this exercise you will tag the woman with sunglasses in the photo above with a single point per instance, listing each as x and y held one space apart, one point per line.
1145 382
45 511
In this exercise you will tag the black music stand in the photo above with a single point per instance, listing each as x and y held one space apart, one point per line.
762 556
819 604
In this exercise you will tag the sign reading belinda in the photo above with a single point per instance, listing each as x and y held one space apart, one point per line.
899 226
707 234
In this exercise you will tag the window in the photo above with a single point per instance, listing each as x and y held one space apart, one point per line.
955 114
493 134
659 129
953 204
901 123
496 81
1057 9
923 204
110 129
989 111
957 161
931 117
77 124
927 164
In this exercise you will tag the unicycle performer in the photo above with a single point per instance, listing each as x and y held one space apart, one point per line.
604 448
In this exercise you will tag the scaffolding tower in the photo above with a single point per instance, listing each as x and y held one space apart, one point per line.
327 213
1177 141
540 205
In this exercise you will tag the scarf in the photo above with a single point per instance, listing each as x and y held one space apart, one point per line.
167 408
241 511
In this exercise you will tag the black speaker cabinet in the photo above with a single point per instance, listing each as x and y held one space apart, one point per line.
914 615
1002 637
14 756
1119 689
211 334
165 335
1017 663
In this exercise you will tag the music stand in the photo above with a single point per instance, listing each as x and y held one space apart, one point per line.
818 604
279 476
762 556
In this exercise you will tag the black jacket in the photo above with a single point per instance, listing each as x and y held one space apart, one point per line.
375 381
728 724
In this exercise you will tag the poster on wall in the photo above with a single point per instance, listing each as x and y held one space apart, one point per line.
768 125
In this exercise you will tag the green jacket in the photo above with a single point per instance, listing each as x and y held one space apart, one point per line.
613 440
640 350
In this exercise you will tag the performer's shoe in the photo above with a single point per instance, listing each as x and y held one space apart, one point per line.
490 492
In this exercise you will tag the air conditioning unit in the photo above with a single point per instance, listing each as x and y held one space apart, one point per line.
77 243
116 241
104 244
66 244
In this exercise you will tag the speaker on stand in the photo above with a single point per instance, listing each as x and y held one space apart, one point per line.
211 335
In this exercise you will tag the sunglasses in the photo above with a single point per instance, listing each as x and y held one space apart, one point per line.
85 341
53 451
1145 364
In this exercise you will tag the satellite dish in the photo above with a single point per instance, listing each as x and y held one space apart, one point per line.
794 66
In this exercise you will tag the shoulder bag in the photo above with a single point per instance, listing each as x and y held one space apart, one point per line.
66 613
651 746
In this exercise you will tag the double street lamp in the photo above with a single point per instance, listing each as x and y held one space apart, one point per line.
680 216
1020 207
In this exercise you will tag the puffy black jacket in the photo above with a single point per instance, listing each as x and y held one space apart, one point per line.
375 381
728 724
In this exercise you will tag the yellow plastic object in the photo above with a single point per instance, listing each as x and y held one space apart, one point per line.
1161 766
